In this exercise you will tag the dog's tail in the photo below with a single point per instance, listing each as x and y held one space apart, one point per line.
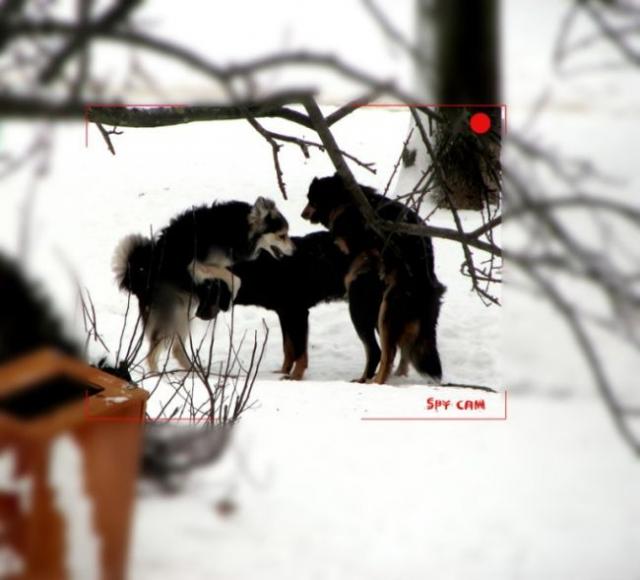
132 263
423 351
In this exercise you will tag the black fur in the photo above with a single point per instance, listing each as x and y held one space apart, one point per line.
159 271
220 226
412 295
290 287
328 194
27 319
409 258
365 296
190 236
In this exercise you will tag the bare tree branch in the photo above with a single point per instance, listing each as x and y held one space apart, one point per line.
321 127
394 34
613 35
106 135
124 116
116 14
590 354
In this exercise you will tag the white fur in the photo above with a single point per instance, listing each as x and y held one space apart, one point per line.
266 242
119 262
218 258
171 333
201 272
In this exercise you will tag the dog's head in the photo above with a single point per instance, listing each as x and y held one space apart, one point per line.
325 196
270 229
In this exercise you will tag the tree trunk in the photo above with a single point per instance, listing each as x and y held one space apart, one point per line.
468 73
462 39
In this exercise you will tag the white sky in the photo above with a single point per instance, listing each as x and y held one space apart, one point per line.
233 32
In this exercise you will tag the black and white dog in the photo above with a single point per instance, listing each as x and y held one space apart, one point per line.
166 272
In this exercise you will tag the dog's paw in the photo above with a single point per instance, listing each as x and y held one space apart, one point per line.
374 381
213 296
207 311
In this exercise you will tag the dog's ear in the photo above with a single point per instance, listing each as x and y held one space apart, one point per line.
264 204
260 210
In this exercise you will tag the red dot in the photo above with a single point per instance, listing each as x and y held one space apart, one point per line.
480 123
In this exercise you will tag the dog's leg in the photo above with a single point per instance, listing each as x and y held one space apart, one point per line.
403 365
155 338
391 326
409 336
179 351
365 295
299 367
154 353
388 347
201 271
179 348
299 333
372 358
287 344
212 296
287 362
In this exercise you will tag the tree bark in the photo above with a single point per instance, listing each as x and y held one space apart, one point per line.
14 106
467 72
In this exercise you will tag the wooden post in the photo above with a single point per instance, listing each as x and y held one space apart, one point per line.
70 436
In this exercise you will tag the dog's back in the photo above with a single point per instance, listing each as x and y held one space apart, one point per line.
313 274
193 234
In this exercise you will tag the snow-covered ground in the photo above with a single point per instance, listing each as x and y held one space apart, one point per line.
550 493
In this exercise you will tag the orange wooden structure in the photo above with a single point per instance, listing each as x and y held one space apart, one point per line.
70 437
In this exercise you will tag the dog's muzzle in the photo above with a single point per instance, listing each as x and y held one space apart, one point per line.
280 251
308 212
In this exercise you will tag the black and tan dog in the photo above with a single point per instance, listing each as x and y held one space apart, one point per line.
200 244
392 283
291 286
408 314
